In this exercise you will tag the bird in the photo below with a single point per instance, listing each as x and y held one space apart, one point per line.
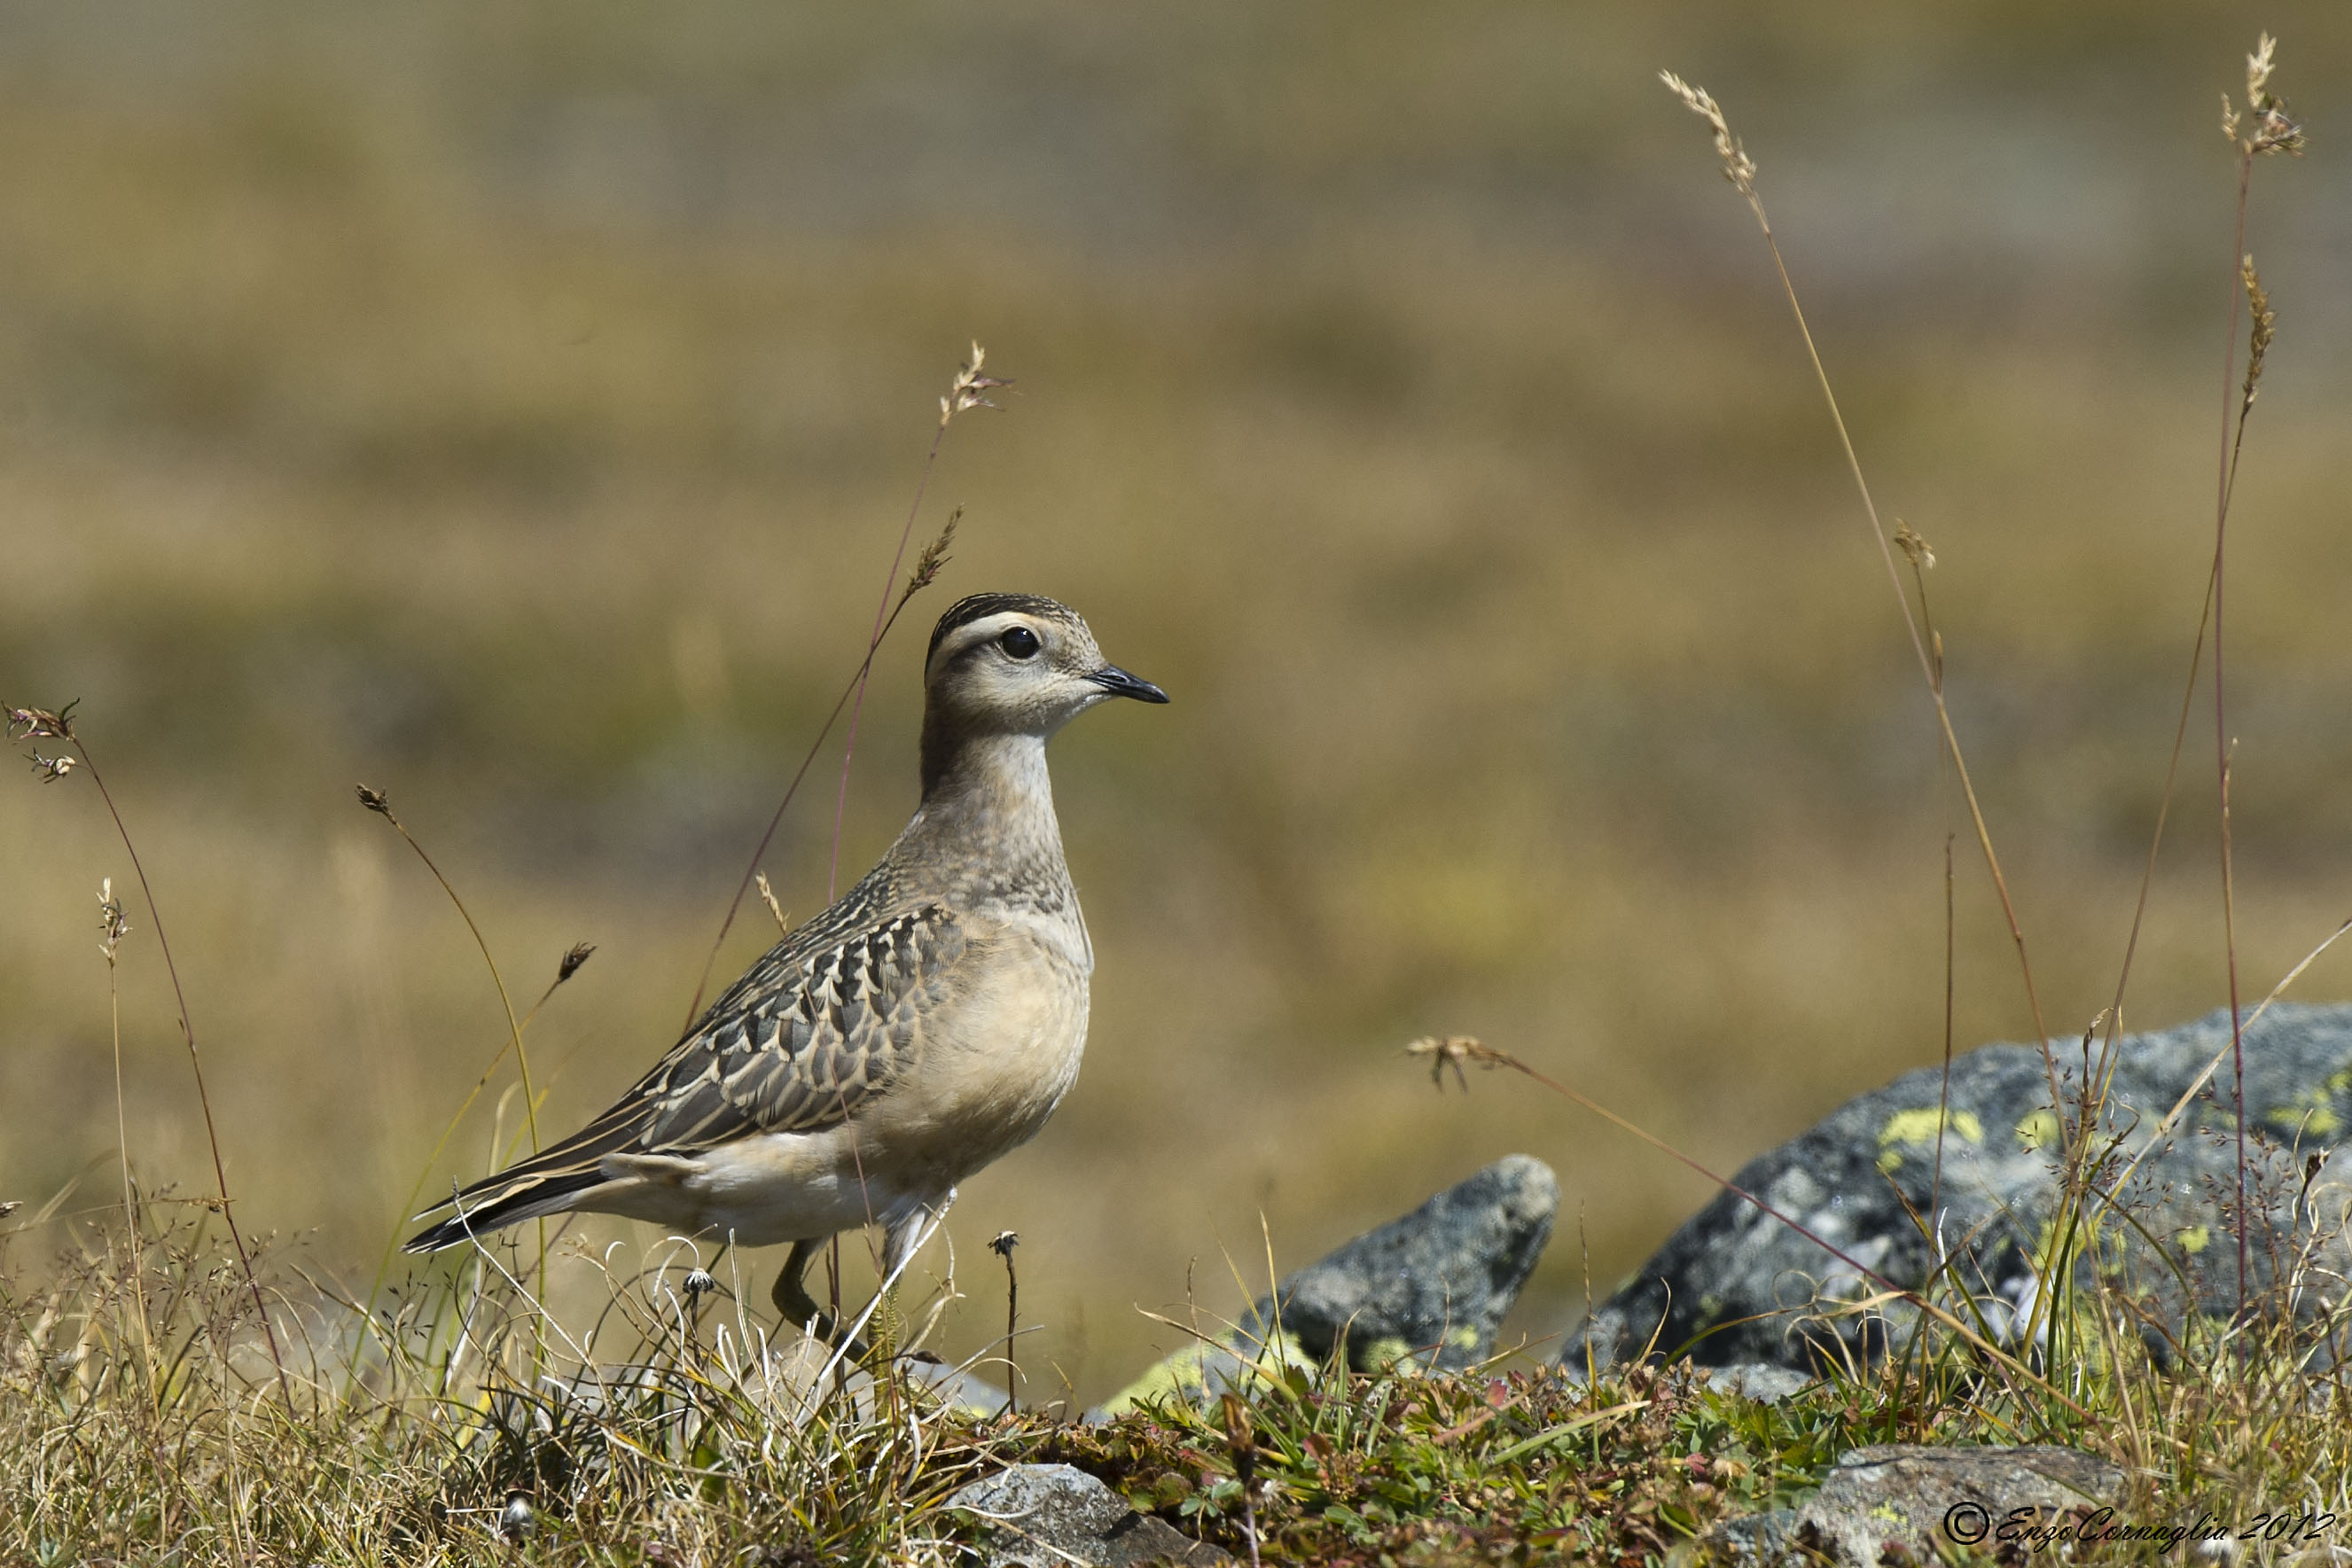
922 1027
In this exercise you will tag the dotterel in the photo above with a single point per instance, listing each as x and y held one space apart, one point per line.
922 1027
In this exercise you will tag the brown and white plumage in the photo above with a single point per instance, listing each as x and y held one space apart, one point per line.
921 1027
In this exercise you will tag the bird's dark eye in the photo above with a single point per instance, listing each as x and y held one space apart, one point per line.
1020 641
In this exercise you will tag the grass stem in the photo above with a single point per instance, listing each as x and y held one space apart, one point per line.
67 732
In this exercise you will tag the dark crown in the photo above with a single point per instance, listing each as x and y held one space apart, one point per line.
981 606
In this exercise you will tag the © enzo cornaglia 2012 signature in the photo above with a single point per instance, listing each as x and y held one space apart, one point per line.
1967 1523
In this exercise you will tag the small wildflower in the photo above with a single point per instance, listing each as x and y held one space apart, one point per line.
1737 166
699 1283
571 960
49 770
1004 1242
376 801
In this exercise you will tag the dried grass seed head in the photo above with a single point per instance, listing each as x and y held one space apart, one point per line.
112 926
1453 1050
969 387
2275 130
2264 327
935 556
768 896
1737 166
40 722
376 801
569 965
1920 553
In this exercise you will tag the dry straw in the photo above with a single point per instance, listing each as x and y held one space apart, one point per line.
967 389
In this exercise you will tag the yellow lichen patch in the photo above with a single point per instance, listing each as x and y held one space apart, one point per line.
1921 1126
2192 1239
1889 1161
2039 1130
2314 1113
1185 1373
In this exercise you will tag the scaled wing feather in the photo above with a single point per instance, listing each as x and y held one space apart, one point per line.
806 1043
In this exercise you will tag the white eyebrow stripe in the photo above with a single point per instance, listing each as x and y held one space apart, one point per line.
987 629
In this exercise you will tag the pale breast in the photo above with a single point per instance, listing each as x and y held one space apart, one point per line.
1005 1052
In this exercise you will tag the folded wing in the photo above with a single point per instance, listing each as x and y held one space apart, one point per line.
826 1020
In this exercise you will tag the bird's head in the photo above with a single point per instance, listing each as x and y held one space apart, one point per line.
1022 665
1014 663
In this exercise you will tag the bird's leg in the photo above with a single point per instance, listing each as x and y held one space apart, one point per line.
792 1298
907 1232
902 1238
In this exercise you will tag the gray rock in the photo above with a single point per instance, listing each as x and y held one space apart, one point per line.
1052 1516
1734 1285
1427 1289
1895 1501
1758 1380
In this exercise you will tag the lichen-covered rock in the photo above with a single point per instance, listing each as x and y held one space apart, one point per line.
1428 1289
1758 1380
1902 1502
1735 1285
1052 1516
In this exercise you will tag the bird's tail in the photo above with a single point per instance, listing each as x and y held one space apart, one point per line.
549 1182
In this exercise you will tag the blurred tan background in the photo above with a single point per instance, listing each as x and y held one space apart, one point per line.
515 407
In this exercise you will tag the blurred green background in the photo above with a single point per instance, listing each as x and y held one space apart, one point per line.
514 407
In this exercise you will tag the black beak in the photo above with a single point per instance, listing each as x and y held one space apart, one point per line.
1120 683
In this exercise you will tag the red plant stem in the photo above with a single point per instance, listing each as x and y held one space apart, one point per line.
2221 708
1944 1095
1930 667
775 820
195 1063
881 612
885 619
